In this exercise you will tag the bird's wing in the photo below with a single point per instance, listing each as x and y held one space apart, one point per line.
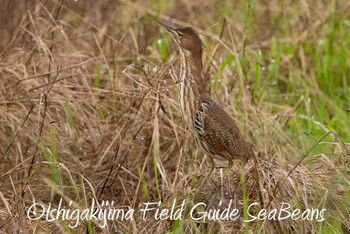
222 134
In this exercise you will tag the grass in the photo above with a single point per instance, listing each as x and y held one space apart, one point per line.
109 119
245 202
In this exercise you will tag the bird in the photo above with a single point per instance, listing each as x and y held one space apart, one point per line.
214 131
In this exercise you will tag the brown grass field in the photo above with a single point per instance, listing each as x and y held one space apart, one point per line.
89 111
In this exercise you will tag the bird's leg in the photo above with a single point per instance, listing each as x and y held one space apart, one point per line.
210 172
206 178
212 166
229 166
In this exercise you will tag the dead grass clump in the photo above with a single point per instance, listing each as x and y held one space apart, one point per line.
88 111
270 192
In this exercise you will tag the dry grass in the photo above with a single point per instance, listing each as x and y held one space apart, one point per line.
88 109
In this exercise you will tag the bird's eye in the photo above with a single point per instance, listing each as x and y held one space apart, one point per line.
180 34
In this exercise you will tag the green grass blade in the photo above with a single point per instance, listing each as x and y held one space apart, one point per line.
155 170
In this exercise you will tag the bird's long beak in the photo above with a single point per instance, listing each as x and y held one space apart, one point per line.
172 30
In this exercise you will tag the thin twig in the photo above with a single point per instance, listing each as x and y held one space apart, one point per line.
20 128
40 128
296 165
216 49
122 139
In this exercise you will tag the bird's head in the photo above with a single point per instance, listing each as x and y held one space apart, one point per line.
187 39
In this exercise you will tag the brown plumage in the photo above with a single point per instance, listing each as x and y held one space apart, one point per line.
220 137
214 130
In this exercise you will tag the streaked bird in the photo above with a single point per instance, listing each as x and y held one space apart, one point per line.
215 132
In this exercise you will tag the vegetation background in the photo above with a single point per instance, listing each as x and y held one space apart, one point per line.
88 110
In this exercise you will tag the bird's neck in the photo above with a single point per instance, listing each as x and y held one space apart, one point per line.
191 69
192 87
